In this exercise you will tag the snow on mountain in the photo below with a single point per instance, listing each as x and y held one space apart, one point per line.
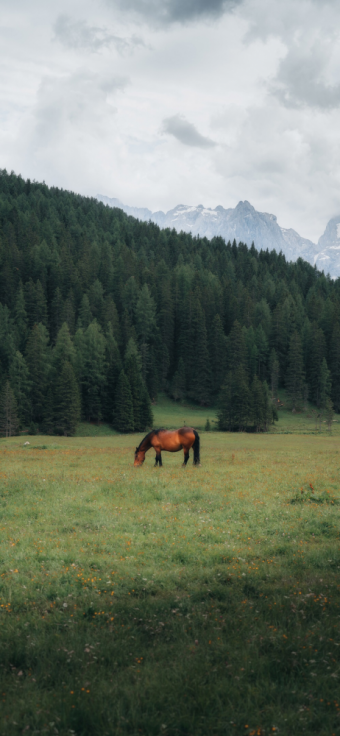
328 257
244 223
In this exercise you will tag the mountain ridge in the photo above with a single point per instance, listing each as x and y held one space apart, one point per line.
246 224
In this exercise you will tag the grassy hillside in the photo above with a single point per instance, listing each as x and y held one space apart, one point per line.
170 601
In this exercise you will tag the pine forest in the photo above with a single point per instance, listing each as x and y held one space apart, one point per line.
100 312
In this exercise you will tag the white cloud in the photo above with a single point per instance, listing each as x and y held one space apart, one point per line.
221 101
77 34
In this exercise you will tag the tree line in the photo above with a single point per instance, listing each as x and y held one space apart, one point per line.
99 312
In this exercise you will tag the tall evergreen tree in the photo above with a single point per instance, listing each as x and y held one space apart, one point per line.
20 317
234 405
21 386
85 314
9 422
39 365
123 415
274 368
179 382
237 348
252 353
334 364
258 404
146 413
133 372
295 375
262 351
63 350
146 327
218 353
67 401
316 354
93 370
200 379
325 384
114 367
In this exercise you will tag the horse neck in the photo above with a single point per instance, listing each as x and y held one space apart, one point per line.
146 444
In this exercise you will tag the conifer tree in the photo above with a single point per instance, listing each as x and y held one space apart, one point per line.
146 413
262 351
9 422
63 350
240 399
47 423
334 364
56 313
114 367
218 353
237 348
252 357
123 414
146 326
199 380
96 299
234 404
38 362
178 382
258 404
85 314
325 384
40 304
67 401
225 411
20 317
21 386
132 368
274 368
329 413
68 312
271 414
92 369
295 375
316 354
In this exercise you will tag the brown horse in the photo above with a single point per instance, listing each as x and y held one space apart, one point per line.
163 439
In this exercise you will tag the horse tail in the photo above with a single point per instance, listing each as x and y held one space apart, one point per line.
196 448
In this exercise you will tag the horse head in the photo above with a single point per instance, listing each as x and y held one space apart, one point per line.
139 458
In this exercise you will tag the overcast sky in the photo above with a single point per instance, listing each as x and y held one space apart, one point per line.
166 102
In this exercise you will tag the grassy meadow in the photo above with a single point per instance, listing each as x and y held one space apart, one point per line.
170 601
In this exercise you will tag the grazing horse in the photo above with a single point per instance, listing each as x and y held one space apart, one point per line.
163 439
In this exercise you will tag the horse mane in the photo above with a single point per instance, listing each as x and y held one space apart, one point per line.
153 432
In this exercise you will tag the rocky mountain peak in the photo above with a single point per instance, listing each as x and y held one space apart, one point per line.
244 223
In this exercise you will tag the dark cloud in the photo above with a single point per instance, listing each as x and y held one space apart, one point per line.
186 132
177 11
300 81
79 35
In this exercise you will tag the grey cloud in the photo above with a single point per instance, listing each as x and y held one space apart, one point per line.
181 11
300 79
77 34
186 132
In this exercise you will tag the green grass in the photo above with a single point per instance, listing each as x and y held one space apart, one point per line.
87 429
173 414
170 601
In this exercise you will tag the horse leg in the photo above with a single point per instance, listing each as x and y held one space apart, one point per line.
158 459
186 458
